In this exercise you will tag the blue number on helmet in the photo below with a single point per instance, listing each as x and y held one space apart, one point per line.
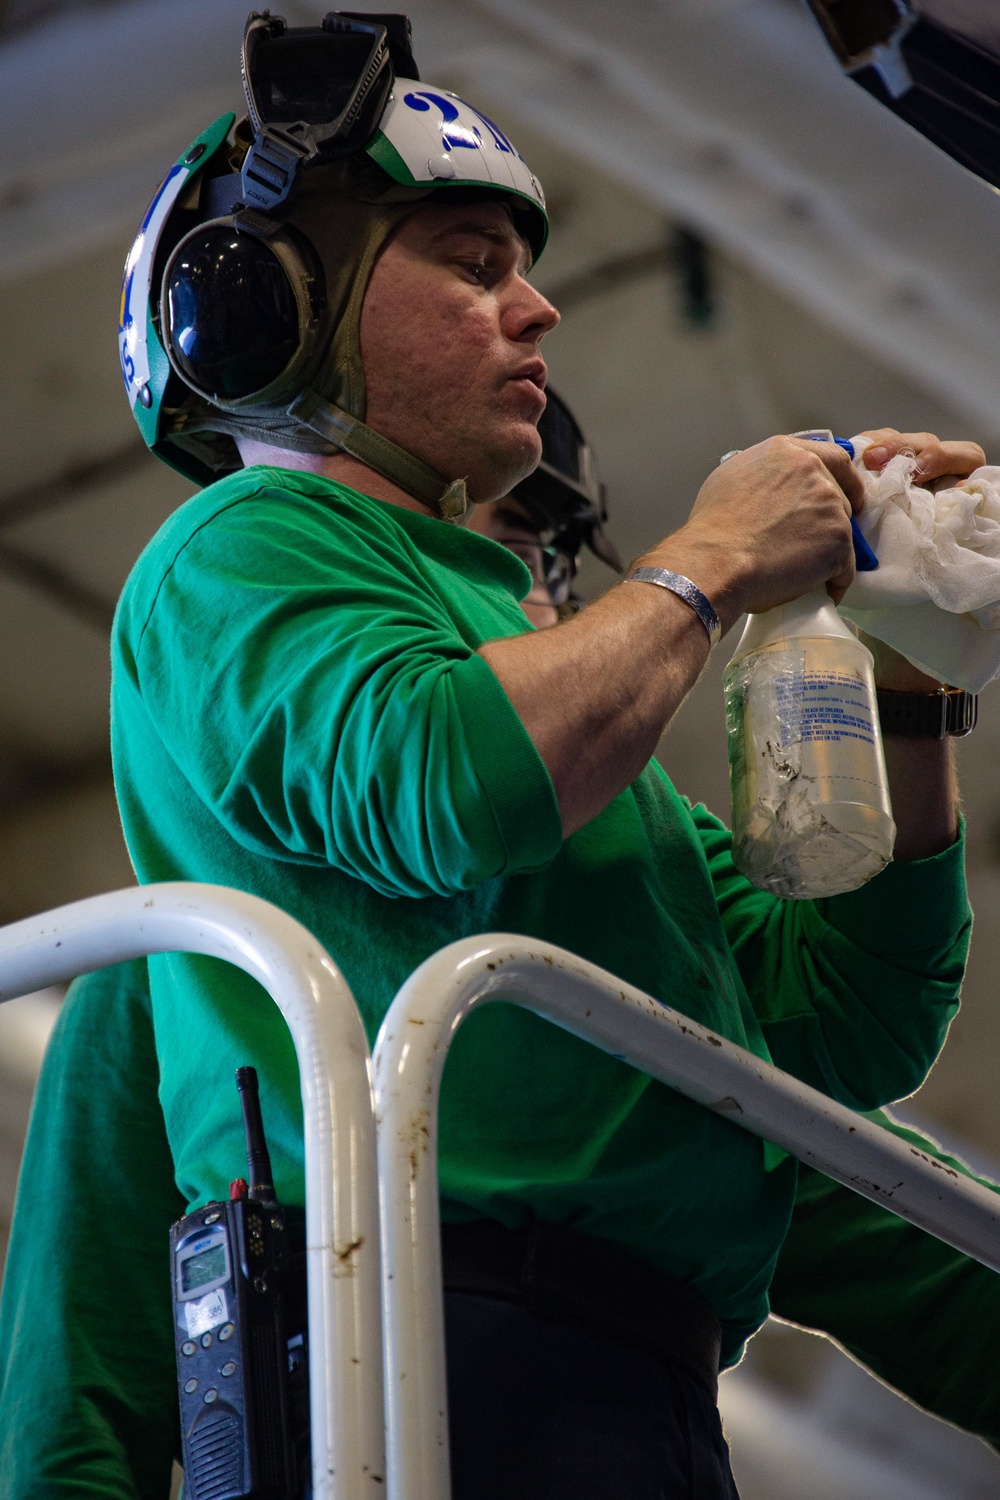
452 134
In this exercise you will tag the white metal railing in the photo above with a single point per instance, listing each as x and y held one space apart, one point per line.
342 1184
409 1058
334 1063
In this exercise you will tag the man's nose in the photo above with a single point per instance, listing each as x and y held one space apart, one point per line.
532 316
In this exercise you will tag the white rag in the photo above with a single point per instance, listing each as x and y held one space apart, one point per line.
935 596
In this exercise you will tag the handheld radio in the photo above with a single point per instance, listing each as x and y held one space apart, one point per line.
239 1328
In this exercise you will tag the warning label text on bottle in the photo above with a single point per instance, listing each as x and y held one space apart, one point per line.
827 706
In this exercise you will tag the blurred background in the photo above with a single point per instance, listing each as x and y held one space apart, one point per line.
743 243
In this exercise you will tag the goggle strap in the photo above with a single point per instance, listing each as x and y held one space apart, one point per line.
450 501
269 170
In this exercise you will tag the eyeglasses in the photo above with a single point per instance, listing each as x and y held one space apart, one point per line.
551 569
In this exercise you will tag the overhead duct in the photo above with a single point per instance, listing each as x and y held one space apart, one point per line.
936 65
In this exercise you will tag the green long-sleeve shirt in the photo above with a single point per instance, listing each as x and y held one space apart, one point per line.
921 1316
88 1379
299 711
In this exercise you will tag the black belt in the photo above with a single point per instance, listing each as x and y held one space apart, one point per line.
558 1272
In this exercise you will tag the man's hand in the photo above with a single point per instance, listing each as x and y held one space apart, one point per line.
596 693
934 458
768 525
922 781
771 523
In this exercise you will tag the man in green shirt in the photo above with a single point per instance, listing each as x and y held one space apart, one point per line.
918 1313
323 693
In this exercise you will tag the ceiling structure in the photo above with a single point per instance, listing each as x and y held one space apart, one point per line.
743 242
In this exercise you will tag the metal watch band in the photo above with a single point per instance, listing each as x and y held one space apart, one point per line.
949 711
686 590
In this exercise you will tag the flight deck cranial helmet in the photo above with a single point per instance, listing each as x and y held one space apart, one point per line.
242 293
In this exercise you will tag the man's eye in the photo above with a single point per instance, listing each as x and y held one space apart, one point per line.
477 269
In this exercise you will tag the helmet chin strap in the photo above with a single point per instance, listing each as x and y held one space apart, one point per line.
449 501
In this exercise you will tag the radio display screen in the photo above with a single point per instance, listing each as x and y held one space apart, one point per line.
208 1265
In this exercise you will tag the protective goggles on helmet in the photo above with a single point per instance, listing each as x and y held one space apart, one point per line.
315 92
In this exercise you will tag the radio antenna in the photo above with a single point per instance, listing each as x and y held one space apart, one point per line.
258 1160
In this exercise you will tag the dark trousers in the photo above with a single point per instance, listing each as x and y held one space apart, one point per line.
549 1408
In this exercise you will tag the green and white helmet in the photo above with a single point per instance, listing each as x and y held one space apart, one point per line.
242 293
431 137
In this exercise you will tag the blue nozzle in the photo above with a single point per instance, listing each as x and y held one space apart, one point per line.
864 558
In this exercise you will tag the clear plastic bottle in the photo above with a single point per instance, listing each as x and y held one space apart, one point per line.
810 799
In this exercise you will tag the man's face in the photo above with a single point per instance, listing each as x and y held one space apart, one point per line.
450 331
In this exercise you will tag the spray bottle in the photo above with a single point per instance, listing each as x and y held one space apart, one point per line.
810 799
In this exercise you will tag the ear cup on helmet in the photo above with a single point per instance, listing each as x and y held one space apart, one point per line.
236 311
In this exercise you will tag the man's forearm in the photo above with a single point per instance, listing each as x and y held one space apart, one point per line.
924 792
596 693
618 672
923 786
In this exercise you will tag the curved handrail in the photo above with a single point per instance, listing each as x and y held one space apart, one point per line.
409 1058
335 1067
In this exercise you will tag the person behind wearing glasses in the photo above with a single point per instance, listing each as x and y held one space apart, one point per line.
324 693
